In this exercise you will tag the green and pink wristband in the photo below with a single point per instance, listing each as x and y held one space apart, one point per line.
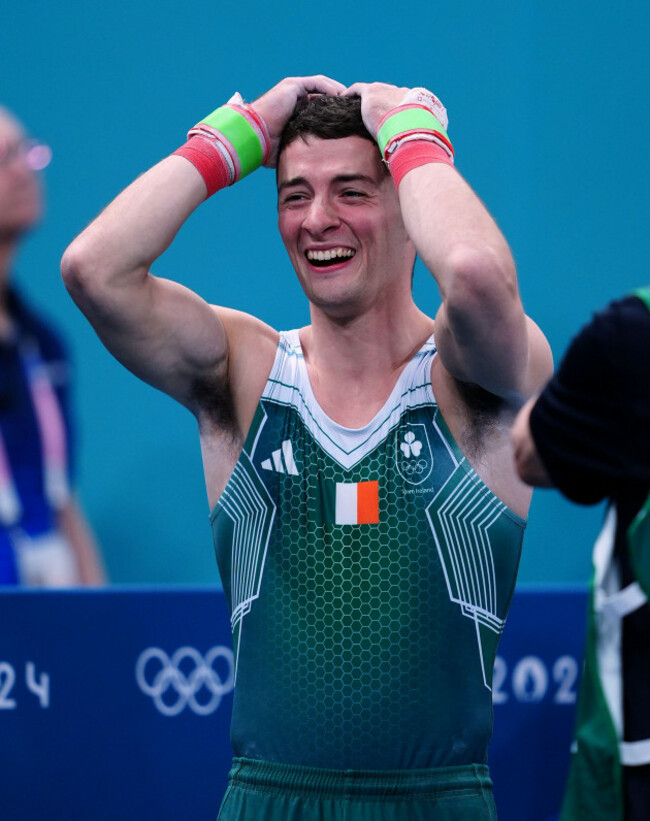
228 144
411 135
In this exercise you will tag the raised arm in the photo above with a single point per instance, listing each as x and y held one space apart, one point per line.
482 333
162 331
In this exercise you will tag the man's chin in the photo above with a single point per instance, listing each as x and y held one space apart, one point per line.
339 306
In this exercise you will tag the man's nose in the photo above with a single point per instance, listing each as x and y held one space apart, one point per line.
322 215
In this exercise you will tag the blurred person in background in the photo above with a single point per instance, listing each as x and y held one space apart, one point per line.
588 435
44 540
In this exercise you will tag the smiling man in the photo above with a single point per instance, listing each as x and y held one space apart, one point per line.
366 514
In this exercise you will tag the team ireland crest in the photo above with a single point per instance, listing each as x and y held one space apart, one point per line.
413 456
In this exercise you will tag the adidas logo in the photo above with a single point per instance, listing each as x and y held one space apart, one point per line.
281 460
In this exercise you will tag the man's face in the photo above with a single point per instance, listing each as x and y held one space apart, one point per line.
339 218
20 192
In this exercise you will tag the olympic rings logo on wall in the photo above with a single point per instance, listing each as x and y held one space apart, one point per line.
175 683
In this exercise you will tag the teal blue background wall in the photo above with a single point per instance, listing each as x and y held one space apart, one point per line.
549 114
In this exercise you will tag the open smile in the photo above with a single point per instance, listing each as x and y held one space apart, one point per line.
329 257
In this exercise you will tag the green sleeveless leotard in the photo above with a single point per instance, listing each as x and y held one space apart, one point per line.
368 574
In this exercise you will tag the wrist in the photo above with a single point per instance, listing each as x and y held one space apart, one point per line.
411 135
414 153
227 145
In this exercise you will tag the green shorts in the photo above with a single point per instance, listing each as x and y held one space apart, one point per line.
262 791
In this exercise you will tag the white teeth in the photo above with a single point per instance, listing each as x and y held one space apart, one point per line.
333 253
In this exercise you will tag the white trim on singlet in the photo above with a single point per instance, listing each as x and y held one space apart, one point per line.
288 384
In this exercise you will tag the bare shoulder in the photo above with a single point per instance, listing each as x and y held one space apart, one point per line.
252 345
228 406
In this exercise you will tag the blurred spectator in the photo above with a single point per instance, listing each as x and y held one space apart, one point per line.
44 540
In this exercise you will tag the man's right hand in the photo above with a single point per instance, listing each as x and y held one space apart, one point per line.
277 105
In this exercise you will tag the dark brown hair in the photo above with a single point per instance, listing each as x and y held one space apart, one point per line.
325 116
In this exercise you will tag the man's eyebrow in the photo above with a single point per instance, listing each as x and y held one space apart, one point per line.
340 178
292 182
355 178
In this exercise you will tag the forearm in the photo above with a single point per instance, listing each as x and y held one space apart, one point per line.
482 333
454 235
158 328
120 245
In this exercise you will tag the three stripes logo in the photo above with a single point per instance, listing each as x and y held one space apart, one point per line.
341 503
282 460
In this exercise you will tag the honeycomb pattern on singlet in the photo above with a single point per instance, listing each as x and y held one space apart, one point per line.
357 596
353 655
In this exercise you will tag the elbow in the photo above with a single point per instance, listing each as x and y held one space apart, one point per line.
485 321
480 279
77 270
87 276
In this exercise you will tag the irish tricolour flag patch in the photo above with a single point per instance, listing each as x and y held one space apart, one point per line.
349 503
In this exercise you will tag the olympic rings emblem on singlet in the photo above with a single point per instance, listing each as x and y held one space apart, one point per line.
185 674
413 455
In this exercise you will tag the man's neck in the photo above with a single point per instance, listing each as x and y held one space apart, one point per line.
375 340
354 364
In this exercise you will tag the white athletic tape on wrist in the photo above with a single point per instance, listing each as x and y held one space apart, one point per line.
423 97
419 136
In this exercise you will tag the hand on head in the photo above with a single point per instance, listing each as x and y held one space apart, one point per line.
377 99
277 105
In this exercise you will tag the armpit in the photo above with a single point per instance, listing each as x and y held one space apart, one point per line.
214 401
483 412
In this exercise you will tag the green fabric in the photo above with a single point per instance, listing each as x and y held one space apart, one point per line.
263 791
409 119
365 646
241 134
644 295
594 789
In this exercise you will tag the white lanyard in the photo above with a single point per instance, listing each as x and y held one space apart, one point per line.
51 427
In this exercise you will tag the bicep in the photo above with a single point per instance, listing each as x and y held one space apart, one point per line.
163 332
502 350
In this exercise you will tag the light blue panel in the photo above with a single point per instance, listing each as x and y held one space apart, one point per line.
548 112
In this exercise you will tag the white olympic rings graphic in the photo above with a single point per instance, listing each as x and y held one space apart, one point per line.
417 466
186 686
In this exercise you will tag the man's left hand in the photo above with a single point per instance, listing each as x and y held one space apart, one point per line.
377 99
